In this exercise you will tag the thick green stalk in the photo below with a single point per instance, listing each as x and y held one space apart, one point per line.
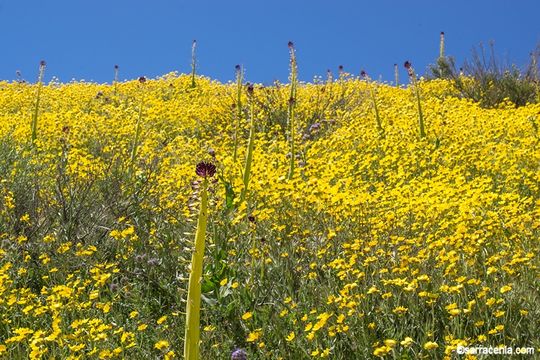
249 154
36 106
419 103
193 306
291 134
115 81
137 133
239 80
290 112
441 45
376 108
193 63
420 114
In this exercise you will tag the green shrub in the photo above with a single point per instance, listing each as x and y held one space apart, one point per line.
489 81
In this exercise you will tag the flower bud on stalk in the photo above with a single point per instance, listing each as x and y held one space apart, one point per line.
205 170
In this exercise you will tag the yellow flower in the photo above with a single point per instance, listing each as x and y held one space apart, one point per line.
381 351
390 343
224 282
162 344
254 335
430 345
407 342
505 289
291 336
247 316
161 320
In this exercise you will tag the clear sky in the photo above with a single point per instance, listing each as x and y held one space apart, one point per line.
84 39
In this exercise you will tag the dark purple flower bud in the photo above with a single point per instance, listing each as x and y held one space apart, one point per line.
292 101
315 126
115 67
205 169
407 65
142 79
290 45
251 219
363 74
442 32
250 89
239 354
237 67
340 68
42 63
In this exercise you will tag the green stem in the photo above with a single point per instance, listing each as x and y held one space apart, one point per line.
420 114
376 108
239 80
419 103
292 134
36 107
137 134
193 63
193 306
249 154
290 112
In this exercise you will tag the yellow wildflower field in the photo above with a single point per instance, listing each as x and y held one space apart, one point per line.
382 244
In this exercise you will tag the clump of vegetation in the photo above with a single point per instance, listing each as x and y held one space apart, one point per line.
490 81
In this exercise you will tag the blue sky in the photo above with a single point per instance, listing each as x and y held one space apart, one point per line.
84 39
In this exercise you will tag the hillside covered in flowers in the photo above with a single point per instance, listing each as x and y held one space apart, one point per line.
379 243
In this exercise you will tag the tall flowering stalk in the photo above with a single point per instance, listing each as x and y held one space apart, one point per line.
250 147
414 81
115 81
42 65
135 147
396 75
193 306
373 101
291 107
441 45
193 63
239 80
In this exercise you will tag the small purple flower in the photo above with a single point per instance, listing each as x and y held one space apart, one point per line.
42 63
290 45
205 169
340 68
239 354
115 67
250 89
142 79
363 74
238 68
407 65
